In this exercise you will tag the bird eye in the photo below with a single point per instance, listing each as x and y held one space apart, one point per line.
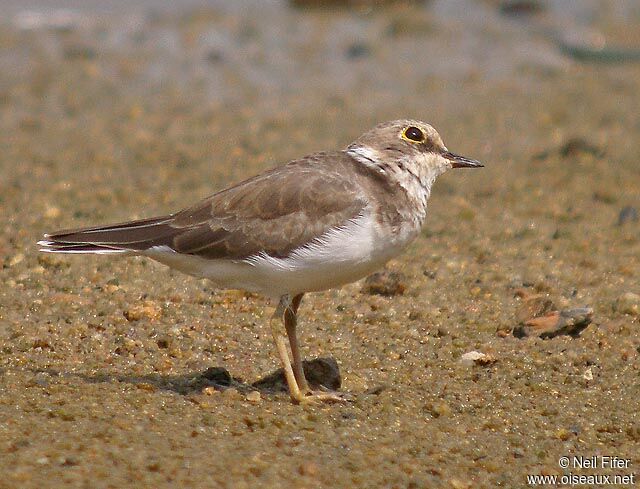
413 134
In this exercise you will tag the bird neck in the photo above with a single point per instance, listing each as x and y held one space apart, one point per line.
414 177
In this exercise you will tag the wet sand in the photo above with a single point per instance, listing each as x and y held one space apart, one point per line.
112 116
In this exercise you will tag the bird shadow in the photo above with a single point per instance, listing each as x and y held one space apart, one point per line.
322 372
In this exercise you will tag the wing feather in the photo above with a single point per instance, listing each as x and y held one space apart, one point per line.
273 213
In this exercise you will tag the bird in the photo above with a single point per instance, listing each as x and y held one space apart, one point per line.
315 223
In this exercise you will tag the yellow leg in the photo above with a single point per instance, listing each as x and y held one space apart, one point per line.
298 387
290 324
281 347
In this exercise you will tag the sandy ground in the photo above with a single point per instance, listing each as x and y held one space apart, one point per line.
111 116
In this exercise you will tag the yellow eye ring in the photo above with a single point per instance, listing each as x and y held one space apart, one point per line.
413 134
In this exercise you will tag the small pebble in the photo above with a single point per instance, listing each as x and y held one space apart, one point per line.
438 409
214 56
145 386
517 8
376 390
566 322
442 332
627 214
384 283
52 212
477 358
532 305
253 396
628 303
147 310
459 484
358 50
231 393
308 468
67 461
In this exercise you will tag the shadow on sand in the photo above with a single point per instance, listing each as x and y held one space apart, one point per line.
319 372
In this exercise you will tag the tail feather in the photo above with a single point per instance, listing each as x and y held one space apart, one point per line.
53 247
127 237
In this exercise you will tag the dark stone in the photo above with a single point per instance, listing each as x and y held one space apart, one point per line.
627 214
80 52
215 56
517 8
320 372
218 376
358 50
571 148
574 146
586 52
323 372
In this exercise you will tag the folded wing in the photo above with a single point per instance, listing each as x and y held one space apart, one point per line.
272 213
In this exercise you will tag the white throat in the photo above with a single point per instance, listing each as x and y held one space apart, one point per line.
366 155
415 175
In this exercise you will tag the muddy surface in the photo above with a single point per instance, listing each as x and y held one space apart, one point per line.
112 371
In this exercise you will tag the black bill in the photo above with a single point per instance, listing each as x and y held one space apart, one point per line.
458 161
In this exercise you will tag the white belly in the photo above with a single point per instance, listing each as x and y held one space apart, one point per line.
340 256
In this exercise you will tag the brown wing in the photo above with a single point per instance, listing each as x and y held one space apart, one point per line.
275 212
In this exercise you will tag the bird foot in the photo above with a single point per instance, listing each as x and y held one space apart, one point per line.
322 396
